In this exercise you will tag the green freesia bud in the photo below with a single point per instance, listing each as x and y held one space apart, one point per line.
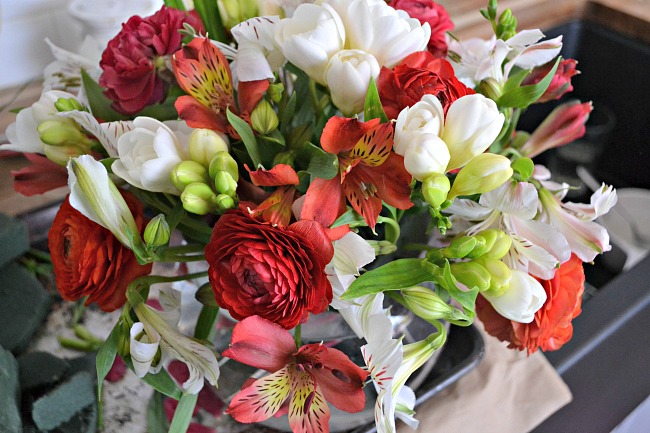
198 198
222 161
225 184
499 244
224 202
490 88
275 91
471 274
500 275
459 247
426 303
157 232
482 173
524 166
479 249
68 104
263 118
61 154
435 189
62 132
234 12
204 145
187 172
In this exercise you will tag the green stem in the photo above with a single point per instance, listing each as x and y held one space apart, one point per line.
297 335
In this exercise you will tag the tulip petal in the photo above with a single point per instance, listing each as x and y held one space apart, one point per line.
262 399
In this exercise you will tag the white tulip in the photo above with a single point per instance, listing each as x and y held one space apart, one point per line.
149 152
472 124
425 117
523 298
348 75
310 37
428 155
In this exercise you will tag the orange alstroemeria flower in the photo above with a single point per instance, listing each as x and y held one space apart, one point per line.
203 72
369 172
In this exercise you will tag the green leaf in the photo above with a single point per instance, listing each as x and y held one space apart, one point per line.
162 111
350 217
100 105
467 299
319 163
209 13
286 109
156 418
183 414
396 275
161 382
523 96
205 324
248 137
176 4
106 357
372 108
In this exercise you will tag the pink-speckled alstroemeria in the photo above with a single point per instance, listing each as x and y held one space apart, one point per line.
309 377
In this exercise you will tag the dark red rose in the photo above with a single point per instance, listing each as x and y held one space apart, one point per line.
552 326
132 60
561 82
417 75
89 261
428 11
274 272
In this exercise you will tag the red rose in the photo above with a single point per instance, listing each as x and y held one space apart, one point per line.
89 261
133 58
561 82
270 271
417 75
428 11
552 325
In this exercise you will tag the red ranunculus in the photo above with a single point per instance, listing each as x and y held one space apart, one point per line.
89 261
274 272
561 82
132 59
552 326
428 11
417 75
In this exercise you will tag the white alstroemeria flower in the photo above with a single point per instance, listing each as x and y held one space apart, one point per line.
143 348
94 195
310 37
425 117
537 248
348 75
600 203
150 151
258 55
586 238
376 28
527 52
472 123
521 300
200 360
64 73
23 134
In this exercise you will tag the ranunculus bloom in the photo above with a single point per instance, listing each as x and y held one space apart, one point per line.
89 261
561 82
552 326
428 11
417 75
133 57
274 272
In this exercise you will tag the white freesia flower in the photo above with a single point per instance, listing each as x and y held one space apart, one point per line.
424 117
428 156
348 75
310 37
200 360
94 195
149 152
472 123
258 55
521 300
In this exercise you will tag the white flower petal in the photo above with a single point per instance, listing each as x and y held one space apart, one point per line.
143 349
523 298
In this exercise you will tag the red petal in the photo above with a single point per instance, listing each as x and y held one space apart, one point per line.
308 410
361 192
375 145
42 176
280 175
261 400
249 94
261 344
324 201
341 134
393 182
198 115
313 232
341 381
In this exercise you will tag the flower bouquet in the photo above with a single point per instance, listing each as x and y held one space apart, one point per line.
270 152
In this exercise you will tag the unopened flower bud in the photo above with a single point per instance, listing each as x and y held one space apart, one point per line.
524 166
198 198
482 173
225 184
187 172
234 12
435 189
275 91
62 133
68 104
490 88
157 232
224 202
479 249
471 274
427 304
500 275
382 247
222 161
263 118
204 144
500 245
61 154
459 247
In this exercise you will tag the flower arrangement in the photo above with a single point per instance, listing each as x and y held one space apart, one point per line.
272 152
